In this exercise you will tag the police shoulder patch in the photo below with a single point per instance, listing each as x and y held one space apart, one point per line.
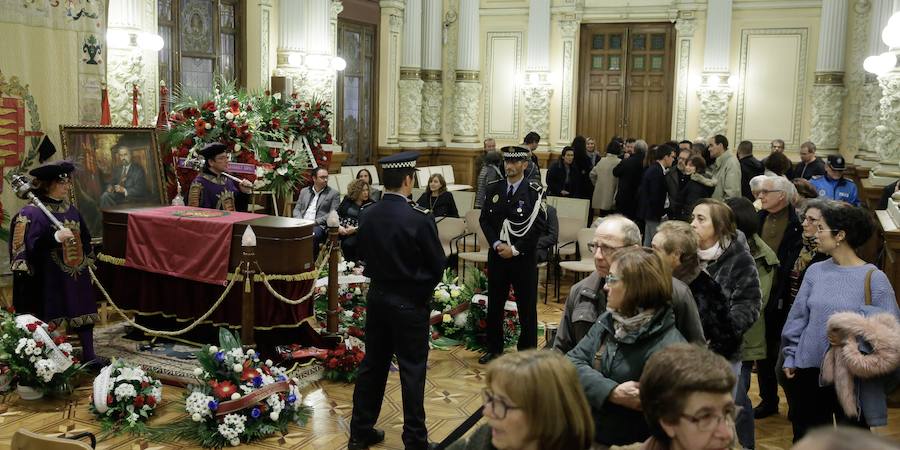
420 209
495 181
536 186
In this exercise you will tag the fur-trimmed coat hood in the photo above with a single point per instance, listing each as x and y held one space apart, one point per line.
865 362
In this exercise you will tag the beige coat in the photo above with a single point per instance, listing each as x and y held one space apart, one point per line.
604 183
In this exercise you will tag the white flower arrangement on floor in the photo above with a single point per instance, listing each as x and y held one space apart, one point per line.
37 356
124 398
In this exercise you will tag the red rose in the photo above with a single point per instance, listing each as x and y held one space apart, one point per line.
51 327
235 106
482 323
267 93
10 309
139 401
40 345
109 399
332 364
151 400
339 352
276 123
273 152
59 340
144 385
209 106
31 327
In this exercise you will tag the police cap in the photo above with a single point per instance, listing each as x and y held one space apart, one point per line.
836 162
402 160
515 153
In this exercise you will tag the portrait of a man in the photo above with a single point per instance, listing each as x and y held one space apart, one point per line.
128 182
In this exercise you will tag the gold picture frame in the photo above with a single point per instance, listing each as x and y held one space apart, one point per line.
102 181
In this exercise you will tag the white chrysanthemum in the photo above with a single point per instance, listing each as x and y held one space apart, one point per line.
213 349
460 319
125 390
197 405
274 416
130 374
196 417
236 353
275 403
237 367
45 369
133 418
66 347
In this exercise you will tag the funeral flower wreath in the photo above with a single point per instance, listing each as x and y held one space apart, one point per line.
124 398
37 356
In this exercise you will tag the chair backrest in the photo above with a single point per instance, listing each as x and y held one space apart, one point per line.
447 172
416 193
544 176
474 226
465 201
422 176
449 228
333 182
23 439
353 170
585 235
343 181
568 229
577 208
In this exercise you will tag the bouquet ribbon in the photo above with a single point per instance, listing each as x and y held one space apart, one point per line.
252 398
41 335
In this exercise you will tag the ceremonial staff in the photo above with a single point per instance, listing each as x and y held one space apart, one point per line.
22 185
197 164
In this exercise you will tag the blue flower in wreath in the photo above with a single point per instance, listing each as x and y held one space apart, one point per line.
291 399
213 405
255 413
257 381
220 356
281 378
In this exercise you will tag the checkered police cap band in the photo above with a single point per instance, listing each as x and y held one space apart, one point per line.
515 152
399 165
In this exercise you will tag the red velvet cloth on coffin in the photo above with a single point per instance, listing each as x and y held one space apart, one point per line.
163 302
199 251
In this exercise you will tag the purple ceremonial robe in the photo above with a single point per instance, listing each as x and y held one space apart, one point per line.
50 279
211 191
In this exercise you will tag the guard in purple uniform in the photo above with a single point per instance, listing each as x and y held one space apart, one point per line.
213 190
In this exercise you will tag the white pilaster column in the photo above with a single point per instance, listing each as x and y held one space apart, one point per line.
265 26
887 136
828 89
411 75
128 64
467 89
568 30
536 91
432 79
870 96
684 27
389 70
714 92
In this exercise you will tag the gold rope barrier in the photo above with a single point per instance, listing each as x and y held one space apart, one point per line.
157 332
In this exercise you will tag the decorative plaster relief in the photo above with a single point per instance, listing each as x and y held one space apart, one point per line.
125 69
869 113
713 109
827 104
465 111
685 29
887 140
410 109
537 108
856 76
264 24
432 109
568 30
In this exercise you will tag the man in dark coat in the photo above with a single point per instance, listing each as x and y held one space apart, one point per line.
399 243
128 182
512 220
809 165
750 167
781 229
629 173
652 193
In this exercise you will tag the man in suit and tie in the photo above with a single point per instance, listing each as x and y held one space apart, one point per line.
128 183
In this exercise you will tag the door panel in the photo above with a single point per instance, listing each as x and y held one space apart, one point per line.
626 78
356 89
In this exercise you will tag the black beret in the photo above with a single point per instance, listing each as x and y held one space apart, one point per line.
58 170
211 150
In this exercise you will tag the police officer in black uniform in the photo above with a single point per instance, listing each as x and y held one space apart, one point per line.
512 219
398 241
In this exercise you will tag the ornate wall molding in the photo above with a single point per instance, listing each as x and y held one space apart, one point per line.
827 104
568 29
410 108
265 22
537 108
800 81
125 69
713 109
466 98
432 107
887 136
491 128
856 77
395 25
685 29
869 113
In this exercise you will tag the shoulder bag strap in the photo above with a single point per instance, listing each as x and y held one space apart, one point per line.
869 287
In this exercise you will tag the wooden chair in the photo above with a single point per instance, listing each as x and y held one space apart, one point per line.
23 439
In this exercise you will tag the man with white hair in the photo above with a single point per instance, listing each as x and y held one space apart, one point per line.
587 301
781 229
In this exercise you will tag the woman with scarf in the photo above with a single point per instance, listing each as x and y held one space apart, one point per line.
725 254
610 359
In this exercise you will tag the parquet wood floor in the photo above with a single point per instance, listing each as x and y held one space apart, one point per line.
452 393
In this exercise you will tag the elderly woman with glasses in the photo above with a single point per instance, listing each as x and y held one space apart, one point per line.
835 285
687 408
637 323
50 266
532 401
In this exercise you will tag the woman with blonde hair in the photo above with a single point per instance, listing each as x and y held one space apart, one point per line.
349 211
532 400
437 198
610 359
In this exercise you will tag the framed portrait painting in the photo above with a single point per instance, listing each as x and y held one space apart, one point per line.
116 167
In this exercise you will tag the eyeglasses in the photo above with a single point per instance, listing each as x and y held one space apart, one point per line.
759 192
498 406
708 421
610 278
604 249
804 218
819 229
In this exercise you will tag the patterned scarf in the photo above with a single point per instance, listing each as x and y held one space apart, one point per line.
624 326
806 254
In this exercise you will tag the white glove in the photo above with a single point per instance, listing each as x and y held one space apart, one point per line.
63 235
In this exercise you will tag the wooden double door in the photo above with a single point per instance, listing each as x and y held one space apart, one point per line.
626 78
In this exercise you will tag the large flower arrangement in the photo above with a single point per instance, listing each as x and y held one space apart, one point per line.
448 306
37 356
476 323
351 309
124 398
281 137
239 398
342 363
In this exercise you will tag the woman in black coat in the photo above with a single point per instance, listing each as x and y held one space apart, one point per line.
437 198
349 211
698 186
563 178
582 162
